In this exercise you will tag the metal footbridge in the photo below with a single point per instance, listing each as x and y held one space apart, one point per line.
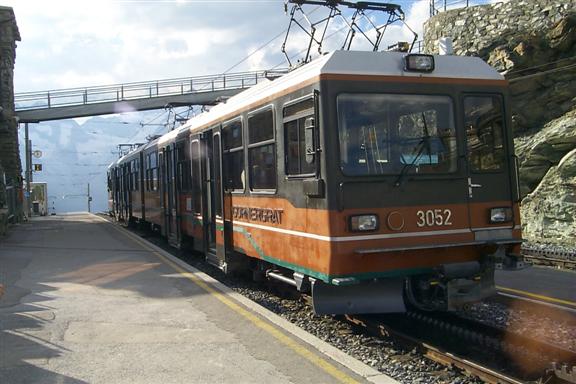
34 107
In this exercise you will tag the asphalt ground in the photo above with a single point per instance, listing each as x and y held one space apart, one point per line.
546 284
86 302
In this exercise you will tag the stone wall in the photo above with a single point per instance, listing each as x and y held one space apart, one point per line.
9 154
533 43
476 30
520 38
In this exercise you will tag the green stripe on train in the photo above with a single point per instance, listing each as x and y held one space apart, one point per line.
309 272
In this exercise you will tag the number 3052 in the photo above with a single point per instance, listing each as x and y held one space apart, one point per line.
432 217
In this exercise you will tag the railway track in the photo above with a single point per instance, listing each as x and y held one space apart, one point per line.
381 328
492 354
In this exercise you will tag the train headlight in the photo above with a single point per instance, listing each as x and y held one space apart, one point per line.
363 223
500 215
419 63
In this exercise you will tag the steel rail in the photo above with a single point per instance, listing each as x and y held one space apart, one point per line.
462 332
439 355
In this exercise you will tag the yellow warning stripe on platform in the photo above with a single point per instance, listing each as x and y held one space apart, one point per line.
302 351
538 297
272 330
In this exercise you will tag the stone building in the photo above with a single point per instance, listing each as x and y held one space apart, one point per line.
10 165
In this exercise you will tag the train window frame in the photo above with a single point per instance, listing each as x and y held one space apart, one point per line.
134 175
297 116
196 176
504 136
152 175
251 146
454 137
147 171
183 173
226 150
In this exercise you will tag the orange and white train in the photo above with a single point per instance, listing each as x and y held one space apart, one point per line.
375 180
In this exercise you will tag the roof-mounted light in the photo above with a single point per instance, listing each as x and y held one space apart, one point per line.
419 63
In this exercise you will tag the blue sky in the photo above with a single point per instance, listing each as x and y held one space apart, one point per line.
73 43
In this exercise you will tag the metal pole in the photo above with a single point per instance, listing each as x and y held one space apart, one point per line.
28 172
89 198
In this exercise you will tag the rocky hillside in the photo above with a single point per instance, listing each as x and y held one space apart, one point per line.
534 45
541 67
549 163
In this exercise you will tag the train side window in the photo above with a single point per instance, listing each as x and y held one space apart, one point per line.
152 172
131 175
182 169
147 172
233 157
262 151
295 116
137 174
134 174
484 122
196 172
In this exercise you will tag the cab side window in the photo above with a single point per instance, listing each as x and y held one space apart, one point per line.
484 122
295 119
233 156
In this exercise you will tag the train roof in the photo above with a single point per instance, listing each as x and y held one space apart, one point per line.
343 63
355 63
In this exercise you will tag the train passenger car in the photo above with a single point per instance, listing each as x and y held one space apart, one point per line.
375 179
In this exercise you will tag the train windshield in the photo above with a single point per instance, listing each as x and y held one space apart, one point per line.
391 134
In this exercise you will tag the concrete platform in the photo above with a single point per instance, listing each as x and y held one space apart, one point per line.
87 302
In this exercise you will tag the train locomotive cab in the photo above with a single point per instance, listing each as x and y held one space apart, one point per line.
421 179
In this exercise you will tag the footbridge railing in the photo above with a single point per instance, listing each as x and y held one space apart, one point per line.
144 92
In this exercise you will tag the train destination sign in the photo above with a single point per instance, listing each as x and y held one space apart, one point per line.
263 215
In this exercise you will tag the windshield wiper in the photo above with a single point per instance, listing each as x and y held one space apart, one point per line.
423 143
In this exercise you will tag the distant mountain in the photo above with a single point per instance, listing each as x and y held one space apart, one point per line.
77 153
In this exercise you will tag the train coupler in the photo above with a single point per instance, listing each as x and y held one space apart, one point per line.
508 261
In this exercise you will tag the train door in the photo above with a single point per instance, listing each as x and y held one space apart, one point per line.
125 192
140 180
116 192
169 196
162 188
213 198
489 181
129 189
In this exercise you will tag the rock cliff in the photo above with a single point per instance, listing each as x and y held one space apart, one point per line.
533 43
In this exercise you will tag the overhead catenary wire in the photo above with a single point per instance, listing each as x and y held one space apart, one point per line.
571 58
265 45
543 73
